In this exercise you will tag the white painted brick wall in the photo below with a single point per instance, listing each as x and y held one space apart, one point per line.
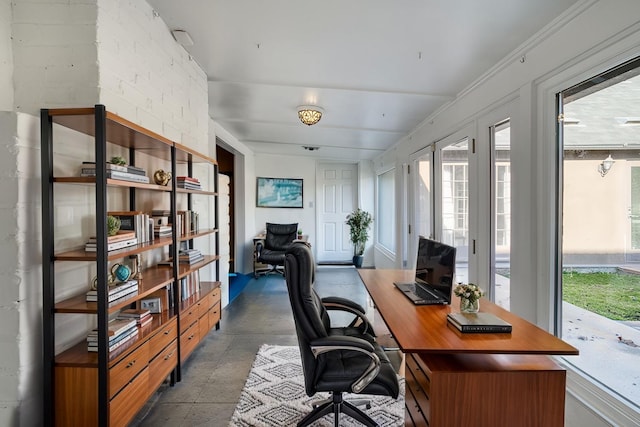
147 77
72 53
55 57
6 57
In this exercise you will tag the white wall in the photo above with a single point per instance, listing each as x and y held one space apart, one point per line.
72 54
594 36
6 56
271 166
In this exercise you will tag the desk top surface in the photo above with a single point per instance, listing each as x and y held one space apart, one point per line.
426 329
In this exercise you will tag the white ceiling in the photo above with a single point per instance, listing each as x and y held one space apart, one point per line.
378 68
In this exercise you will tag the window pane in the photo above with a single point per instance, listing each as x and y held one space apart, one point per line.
501 144
455 203
386 210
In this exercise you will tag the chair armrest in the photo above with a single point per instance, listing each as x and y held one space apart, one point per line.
257 247
341 343
343 304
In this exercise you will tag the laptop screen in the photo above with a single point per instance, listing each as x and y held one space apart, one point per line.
435 265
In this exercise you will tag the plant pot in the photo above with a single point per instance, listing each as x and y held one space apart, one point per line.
357 260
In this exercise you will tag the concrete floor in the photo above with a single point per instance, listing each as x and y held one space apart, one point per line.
215 373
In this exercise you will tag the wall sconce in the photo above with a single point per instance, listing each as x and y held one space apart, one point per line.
605 166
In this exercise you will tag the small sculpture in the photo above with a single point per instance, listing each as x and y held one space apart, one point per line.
137 266
118 160
161 177
121 272
113 225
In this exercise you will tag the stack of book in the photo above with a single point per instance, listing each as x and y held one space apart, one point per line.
116 292
123 173
188 183
190 256
123 239
120 332
141 316
162 230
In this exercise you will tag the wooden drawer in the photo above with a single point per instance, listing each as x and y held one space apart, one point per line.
205 304
129 401
163 337
127 368
188 317
189 339
214 315
162 365
417 403
203 326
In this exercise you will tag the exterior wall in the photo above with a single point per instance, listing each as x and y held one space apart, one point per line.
596 229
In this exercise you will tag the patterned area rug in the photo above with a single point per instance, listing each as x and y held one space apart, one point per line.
274 395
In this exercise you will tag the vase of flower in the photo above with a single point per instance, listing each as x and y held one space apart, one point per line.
468 305
470 295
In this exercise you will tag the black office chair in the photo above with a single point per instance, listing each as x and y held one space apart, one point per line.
333 361
272 249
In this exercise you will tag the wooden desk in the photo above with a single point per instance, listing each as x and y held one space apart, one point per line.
471 379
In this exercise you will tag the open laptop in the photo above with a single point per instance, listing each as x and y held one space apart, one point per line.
435 267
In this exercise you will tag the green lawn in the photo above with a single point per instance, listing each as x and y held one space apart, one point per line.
613 295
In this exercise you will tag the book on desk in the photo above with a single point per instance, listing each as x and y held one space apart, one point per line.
478 323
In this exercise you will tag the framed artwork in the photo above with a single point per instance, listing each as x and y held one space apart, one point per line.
279 193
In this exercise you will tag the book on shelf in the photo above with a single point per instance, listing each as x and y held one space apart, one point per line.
134 313
161 212
189 186
162 230
115 292
189 285
478 323
127 336
119 236
112 166
122 176
92 246
187 179
141 316
116 328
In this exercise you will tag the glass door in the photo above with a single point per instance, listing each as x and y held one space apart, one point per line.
452 220
422 223
500 135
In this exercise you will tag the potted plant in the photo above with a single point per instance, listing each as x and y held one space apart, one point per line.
359 222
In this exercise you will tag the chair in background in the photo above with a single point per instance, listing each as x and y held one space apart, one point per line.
272 249
332 360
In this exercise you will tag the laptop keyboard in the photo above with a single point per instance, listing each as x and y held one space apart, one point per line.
423 293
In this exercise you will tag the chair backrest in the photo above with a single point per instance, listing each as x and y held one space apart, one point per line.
280 236
309 314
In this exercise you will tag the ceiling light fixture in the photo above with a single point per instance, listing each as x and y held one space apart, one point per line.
310 148
309 114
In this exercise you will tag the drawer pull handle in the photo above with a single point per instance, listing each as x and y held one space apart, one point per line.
130 364
169 356
167 332
191 337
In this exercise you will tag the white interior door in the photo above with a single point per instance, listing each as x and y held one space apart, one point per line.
336 192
